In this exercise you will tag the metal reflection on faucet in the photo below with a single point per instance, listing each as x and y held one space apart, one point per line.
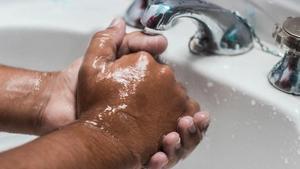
285 75
135 12
220 31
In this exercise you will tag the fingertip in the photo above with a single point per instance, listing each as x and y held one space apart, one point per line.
104 44
117 23
160 42
171 140
158 161
185 122
118 26
137 41
202 120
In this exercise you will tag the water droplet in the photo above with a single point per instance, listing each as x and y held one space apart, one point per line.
286 160
270 1
226 67
259 127
297 111
289 119
217 99
253 102
233 89
209 84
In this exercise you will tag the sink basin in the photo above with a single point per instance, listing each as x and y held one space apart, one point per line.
254 126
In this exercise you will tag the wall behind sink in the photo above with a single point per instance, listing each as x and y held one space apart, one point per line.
263 14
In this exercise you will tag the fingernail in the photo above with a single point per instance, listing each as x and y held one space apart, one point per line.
205 128
178 144
205 124
192 129
115 22
205 121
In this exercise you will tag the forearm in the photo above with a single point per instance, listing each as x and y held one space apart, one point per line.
75 147
22 98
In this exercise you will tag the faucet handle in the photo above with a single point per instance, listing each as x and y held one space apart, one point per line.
288 35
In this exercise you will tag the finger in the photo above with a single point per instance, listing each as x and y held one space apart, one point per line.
171 145
202 121
189 134
104 44
158 161
138 41
134 59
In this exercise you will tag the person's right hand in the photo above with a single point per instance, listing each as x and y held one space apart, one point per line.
131 98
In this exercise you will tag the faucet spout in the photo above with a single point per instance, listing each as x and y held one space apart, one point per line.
220 31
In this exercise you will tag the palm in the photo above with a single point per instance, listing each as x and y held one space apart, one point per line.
60 109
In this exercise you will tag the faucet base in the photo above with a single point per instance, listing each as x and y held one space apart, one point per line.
285 74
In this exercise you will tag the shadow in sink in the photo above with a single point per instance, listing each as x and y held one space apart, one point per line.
41 49
244 132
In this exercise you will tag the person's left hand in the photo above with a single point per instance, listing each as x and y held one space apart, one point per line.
60 109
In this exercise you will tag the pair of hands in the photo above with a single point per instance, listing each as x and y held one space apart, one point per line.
129 96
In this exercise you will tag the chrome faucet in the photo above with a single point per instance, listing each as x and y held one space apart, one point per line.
285 75
220 31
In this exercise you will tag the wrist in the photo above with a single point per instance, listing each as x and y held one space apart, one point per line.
106 150
42 101
123 128
23 98
75 146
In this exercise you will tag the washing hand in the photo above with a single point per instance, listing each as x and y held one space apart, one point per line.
60 109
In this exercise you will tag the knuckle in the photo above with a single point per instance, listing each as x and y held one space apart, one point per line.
195 105
102 35
98 34
182 88
167 71
147 55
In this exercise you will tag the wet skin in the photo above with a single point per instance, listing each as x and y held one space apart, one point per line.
190 129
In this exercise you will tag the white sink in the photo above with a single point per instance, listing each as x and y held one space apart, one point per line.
254 126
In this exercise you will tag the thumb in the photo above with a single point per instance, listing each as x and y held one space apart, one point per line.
104 44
